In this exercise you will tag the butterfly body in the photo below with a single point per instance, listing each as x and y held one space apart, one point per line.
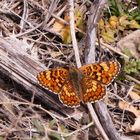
86 84
76 77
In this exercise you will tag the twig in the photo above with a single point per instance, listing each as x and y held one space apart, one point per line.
114 50
24 15
72 30
129 91
91 54
43 34
133 79
83 128
96 121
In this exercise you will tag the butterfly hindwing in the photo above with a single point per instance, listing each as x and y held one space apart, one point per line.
92 90
68 95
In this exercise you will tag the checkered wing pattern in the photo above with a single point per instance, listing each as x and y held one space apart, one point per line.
103 72
92 90
53 79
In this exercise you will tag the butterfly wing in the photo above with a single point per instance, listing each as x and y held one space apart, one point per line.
53 79
103 72
68 95
92 90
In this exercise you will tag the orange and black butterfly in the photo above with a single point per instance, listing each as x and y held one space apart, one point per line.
87 83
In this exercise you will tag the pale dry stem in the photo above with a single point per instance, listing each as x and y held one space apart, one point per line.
77 57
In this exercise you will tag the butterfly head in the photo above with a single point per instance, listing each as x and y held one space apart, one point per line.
75 74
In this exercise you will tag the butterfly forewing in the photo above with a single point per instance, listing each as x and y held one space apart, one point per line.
104 72
53 79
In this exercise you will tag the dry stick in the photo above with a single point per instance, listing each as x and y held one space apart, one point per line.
72 30
112 49
83 128
77 57
43 34
100 106
24 15
91 58
133 79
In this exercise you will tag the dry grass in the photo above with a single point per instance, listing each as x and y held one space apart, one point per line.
32 22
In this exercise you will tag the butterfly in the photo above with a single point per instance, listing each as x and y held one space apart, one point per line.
85 84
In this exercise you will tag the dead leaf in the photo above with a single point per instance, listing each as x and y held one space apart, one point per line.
101 24
134 95
113 21
128 107
134 24
64 30
123 21
136 126
131 43
108 36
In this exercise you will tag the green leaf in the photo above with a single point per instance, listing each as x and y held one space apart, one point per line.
126 51
132 66
38 125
